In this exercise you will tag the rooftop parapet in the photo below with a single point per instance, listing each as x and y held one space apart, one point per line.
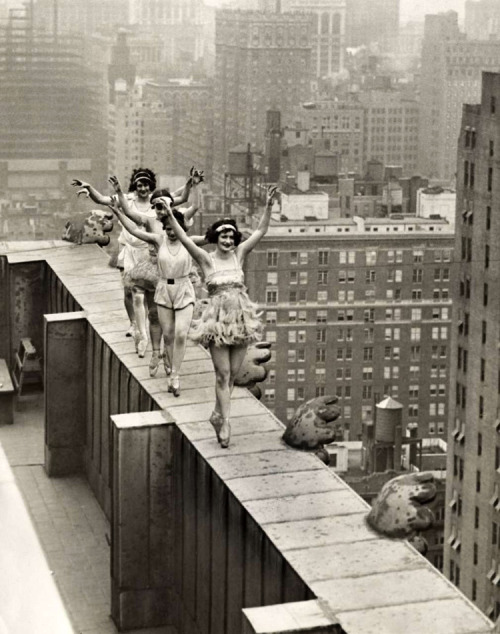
200 533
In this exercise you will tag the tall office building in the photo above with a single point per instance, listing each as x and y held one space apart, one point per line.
482 19
52 104
450 76
74 16
329 33
391 129
370 21
472 556
359 308
263 62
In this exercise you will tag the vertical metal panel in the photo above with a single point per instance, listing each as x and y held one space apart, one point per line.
105 431
272 574
114 385
96 414
178 505
133 395
189 528
254 549
235 561
203 545
219 556
124 384
132 512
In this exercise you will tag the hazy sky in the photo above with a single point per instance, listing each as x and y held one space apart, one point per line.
415 9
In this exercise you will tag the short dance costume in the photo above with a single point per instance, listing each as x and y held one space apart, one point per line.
174 288
227 317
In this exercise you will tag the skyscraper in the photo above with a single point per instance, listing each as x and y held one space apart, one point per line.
329 33
263 62
450 76
472 556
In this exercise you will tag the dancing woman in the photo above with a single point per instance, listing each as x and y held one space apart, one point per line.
228 321
174 295
134 251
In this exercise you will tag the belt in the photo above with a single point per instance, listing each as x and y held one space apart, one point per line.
175 280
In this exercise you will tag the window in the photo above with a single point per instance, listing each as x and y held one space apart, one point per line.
418 255
415 334
321 355
370 276
303 257
272 278
322 278
322 296
320 390
269 394
371 258
367 373
270 317
271 336
321 335
292 356
321 317
290 394
416 314
271 296
272 259
367 354
485 294
417 275
416 295
323 258
294 277
488 218
294 257
490 179
303 277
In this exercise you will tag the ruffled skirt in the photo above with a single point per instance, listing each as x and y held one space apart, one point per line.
227 317
144 273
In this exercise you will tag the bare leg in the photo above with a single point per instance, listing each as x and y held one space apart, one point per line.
154 333
222 366
236 357
129 303
182 320
140 319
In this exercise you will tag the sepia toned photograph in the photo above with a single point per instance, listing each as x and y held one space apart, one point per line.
250 316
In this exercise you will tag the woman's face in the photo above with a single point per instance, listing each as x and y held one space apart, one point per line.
160 206
225 241
168 230
143 189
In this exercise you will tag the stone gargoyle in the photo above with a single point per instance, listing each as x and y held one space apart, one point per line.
314 426
92 230
253 370
401 509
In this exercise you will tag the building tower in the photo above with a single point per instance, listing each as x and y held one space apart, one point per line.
472 557
329 33
263 62
450 76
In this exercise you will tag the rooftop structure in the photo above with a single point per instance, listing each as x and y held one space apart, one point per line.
199 533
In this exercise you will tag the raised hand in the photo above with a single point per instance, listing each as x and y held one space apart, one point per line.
271 195
115 184
84 187
197 176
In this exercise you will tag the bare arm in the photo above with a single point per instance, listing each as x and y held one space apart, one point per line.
245 247
201 256
132 228
90 192
123 202
181 195
190 211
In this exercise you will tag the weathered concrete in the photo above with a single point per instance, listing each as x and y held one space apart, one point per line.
142 519
65 392
290 618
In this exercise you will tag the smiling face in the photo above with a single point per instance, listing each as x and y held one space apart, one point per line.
225 241
143 189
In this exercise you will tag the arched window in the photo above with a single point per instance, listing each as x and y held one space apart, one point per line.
336 22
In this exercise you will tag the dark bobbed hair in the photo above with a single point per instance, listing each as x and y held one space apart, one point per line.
146 174
212 235
162 192
178 216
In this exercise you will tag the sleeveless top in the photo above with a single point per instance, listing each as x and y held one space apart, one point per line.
125 236
225 278
173 266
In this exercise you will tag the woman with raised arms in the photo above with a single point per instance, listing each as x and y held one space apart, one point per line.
228 320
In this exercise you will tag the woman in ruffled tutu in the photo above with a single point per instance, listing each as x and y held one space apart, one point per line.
228 320
174 295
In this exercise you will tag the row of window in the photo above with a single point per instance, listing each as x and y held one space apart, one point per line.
301 296
349 276
300 336
391 314
349 257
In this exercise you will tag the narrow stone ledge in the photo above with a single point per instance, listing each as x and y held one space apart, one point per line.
291 618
